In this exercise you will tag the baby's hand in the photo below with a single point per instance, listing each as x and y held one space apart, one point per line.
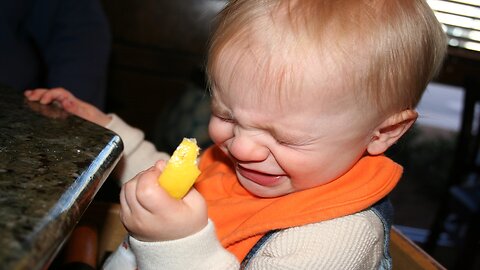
69 103
150 214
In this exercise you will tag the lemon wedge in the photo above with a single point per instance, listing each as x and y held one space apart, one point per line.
181 170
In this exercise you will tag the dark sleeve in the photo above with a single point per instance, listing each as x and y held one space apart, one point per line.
74 40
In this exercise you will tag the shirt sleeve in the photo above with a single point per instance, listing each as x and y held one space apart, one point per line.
198 251
138 154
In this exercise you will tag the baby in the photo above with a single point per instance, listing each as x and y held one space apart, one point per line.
306 97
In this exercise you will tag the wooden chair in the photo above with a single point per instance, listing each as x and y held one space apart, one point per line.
406 255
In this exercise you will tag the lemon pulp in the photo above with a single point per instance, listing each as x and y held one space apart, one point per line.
181 170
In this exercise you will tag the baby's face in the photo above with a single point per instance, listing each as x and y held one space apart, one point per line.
292 136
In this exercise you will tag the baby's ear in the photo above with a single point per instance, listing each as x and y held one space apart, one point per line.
390 131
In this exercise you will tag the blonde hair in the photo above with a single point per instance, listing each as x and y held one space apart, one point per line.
387 50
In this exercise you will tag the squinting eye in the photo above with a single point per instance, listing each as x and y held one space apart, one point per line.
225 119
288 141
283 142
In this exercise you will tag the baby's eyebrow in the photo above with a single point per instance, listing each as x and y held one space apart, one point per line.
276 132
218 109
282 134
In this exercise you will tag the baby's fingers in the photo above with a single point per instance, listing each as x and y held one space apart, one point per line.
129 203
131 193
47 96
150 195
36 94
125 210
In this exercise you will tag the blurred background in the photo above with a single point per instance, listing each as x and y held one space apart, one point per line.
156 83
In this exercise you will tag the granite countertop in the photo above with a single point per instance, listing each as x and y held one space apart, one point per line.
51 166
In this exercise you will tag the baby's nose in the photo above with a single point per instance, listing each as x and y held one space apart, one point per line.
247 148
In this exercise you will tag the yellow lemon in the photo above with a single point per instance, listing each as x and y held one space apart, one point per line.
181 170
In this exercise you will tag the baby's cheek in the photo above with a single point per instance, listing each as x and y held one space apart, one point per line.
220 131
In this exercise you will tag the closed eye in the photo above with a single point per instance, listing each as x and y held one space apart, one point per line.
221 112
292 141
286 142
225 118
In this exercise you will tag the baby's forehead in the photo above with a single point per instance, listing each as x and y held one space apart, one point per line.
287 73
279 57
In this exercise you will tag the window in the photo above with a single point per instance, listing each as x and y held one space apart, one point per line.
461 21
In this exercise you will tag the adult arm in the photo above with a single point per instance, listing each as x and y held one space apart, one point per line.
74 40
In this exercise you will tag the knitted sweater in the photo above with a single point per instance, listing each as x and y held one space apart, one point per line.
350 242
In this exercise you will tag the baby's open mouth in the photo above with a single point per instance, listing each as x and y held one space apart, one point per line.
260 178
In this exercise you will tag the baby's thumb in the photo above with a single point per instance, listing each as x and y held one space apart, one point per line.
160 164
195 200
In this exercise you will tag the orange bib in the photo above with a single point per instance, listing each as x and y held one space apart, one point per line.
241 218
